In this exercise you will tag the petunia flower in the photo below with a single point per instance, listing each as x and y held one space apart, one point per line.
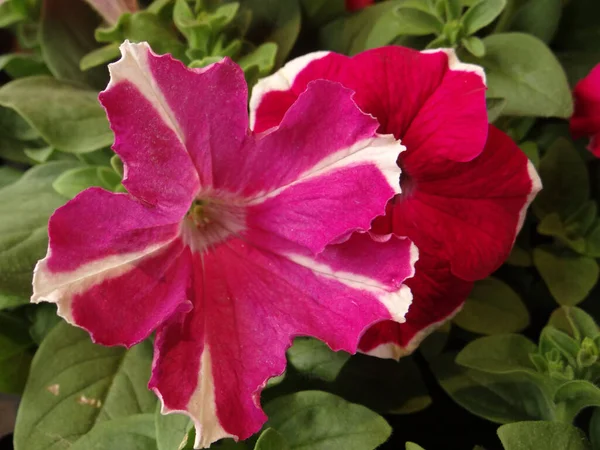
111 10
222 242
465 184
586 118
355 5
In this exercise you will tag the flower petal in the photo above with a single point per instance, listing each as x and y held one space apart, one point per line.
260 301
430 100
102 246
470 213
586 118
437 297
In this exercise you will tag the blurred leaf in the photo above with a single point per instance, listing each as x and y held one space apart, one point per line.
493 308
413 446
481 14
569 277
171 429
530 149
319 12
594 431
542 435
520 257
99 56
539 18
494 107
68 117
14 355
77 387
270 439
274 21
10 15
43 319
19 65
498 354
315 358
579 27
475 46
553 339
72 182
25 207
66 35
575 322
9 175
565 180
498 398
523 70
321 421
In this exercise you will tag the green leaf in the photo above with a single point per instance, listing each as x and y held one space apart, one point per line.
270 439
10 15
500 354
531 149
25 207
19 65
43 319
493 308
495 106
171 429
135 432
499 398
9 175
474 45
383 385
577 395
14 355
539 18
569 277
73 181
75 386
198 33
523 70
574 321
8 301
320 421
481 14
552 225
99 57
542 435
274 21
594 431
262 58
68 117
413 446
315 358
66 36
319 12
565 179
552 338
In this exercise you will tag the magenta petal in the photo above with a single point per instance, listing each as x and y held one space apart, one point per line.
586 118
259 301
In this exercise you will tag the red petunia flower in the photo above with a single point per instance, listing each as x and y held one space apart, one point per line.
465 184
355 5
586 118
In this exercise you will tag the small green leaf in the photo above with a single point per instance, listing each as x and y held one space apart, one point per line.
493 308
171 429
99 57
569 277
321 421
500 354
494 108
73 181
452 9
413 446
523 70
474 45
270 439
542 435
77 387
574 321
262 58
565 179
552 338
10 15
481 14
315 358
531 149
19 65
577 395
43 319
67 116
552 225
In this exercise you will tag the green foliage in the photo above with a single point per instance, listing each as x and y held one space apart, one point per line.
313 357
270 439
171 430
85 394
538 435
15 356
72 182
320 421
493 308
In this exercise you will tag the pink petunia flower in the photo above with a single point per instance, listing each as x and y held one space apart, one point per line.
111 10
465 185
355 5
221 244
586 118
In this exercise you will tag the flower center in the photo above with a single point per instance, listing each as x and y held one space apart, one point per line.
211 221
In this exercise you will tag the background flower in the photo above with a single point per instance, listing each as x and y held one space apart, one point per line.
586 118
